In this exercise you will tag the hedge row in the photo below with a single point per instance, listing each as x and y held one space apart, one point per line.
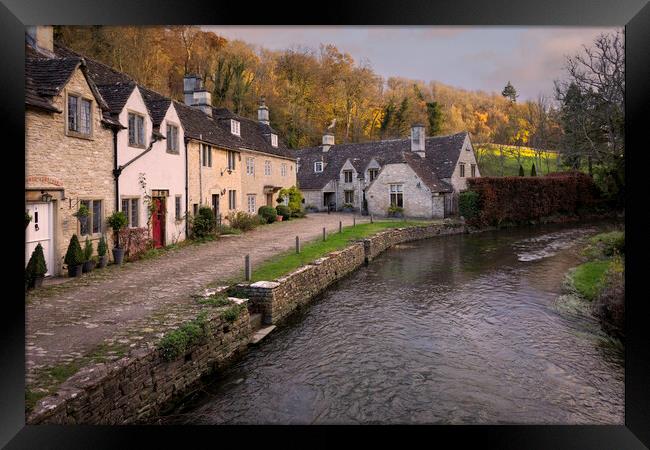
523 199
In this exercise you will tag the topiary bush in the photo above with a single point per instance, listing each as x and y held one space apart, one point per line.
74 256
284 211
36 266
88 250
116 222
468 204
204 223
267 213
102 247
243 221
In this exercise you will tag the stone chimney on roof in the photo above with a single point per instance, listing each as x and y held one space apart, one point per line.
328 136
417 139
263 112
41 37
195 94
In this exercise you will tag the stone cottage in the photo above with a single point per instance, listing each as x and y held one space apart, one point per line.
69 139
421 175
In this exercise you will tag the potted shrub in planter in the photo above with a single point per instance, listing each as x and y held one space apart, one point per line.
36 268
268 214
396 211
348 207
284 212
89 263
116 222
74 257
28 219
101 252
82 215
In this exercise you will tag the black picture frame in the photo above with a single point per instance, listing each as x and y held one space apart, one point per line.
633 14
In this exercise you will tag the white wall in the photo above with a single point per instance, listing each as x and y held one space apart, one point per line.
468 157
162 170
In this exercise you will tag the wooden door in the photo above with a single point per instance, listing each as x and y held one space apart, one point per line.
158 222
40 231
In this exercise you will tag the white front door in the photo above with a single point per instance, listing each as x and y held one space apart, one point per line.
40 231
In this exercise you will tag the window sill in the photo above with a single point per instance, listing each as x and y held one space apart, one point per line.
137 146
173 152
88 137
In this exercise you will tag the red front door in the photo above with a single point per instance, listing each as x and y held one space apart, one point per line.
158 222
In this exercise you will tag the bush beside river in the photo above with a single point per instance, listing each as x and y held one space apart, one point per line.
600 280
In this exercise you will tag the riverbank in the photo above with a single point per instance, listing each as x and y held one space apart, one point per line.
598 284
145 370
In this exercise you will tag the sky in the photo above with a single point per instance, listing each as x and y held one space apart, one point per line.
472 58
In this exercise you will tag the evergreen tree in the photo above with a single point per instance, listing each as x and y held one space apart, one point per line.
434 116
510 92
533 172
74 256
521 170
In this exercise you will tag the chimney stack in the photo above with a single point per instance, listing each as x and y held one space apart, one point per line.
417 140
263 112
328 140
41 37
196 95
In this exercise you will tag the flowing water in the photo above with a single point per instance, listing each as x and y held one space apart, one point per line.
458 329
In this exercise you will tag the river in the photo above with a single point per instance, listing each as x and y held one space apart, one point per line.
452 330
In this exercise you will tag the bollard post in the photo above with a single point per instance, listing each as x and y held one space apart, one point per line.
324 234
340 227
371 218
297 244
247 267
354 221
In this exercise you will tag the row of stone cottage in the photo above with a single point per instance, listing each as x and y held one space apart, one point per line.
95 137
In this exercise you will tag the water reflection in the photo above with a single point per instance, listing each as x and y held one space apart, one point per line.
459 329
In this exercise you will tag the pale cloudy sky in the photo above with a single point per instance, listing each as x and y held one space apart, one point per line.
474 58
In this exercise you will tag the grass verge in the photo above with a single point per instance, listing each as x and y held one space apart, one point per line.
587 278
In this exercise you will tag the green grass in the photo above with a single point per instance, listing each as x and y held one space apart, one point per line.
588 277
289 261
489 161
604 245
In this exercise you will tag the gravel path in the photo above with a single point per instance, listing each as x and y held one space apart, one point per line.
66 321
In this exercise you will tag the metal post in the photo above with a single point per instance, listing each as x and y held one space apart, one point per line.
340 227
247 267
354 221
371 218
324 234
297 244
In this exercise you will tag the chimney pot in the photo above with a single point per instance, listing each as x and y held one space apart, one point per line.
417 140
42 38
263 112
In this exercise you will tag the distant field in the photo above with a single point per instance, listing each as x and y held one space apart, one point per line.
504 160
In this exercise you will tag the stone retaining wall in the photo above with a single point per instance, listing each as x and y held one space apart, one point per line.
136 387
277 299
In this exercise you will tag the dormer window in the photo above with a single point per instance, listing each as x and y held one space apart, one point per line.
318 166
234 127
79 116
136 130
274 140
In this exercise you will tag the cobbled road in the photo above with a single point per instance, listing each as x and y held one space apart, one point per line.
66 321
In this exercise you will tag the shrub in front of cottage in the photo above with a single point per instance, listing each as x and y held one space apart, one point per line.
74 257
116 222
243 221
102 248
267 213
88 264
36 268
283 211
204 223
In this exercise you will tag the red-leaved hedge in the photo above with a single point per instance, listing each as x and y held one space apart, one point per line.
135 242
523 199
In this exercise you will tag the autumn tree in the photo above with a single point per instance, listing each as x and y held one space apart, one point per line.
510 92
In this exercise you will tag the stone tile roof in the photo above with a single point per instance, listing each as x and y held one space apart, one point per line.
200 126
441 152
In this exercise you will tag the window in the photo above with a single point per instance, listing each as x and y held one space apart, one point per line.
195 209
234 127
231 160
250 166
130 210
372 173
347 175
93 224
396 195
461 166
251 203
349 197
206 155
79 115
274 140
232 199
318 166
267 167
172 138
473 170
136 130
177 206
283 169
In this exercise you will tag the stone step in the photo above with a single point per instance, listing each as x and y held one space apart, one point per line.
256 321
261 334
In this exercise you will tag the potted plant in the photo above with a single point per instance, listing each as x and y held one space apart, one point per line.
101 252
74 257
396 211
348 207
89 263
82 215
36 268
28 219
116 222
